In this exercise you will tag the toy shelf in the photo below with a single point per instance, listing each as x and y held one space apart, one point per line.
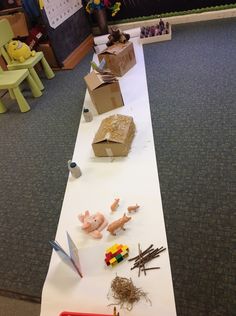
158 38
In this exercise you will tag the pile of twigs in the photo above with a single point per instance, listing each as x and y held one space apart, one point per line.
144 257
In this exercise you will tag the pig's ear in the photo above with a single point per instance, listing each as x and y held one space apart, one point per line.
86 213
81 218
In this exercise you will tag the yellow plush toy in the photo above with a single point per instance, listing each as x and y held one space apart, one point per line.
19 51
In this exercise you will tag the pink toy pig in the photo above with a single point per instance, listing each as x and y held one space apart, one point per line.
93 224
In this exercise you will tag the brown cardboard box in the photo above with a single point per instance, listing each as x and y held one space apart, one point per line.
18 23
105 96
114 136
119 58
48 54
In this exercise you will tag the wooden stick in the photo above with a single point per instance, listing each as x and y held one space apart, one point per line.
141 257
144 252
139 262
153 268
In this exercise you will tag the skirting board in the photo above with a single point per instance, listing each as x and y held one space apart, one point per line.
78 54
181 19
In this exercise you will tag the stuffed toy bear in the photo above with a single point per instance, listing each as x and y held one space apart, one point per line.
19 51
117 36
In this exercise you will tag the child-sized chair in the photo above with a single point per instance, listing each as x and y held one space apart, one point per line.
6 35
10 80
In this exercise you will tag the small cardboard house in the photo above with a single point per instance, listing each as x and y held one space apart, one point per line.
119 58
114 136
106 96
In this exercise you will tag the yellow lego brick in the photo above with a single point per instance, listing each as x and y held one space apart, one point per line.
113 261
125 248
124 254
111 249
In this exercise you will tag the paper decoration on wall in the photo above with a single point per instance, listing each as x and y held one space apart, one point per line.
58 11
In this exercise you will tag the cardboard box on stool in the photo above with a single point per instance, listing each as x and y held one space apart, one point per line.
106 96
119 58
114 136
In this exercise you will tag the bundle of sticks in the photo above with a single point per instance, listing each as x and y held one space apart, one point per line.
144 257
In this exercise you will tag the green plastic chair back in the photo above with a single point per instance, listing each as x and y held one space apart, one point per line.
6 35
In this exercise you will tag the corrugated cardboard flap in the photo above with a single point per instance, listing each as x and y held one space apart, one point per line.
113 129
93 80
116 48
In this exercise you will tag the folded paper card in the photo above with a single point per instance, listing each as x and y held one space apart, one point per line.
114 136
73 258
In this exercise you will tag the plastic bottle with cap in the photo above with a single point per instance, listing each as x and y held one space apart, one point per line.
87 115
74 169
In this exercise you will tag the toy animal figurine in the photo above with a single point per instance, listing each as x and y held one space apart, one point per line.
133 208
19 51
117 36
114 205
93 224
118 224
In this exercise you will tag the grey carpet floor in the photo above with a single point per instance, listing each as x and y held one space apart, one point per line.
34 150
192 91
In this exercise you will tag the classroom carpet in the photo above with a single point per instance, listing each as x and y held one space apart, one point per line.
192 90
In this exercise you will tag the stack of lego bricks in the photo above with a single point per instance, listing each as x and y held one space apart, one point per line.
116 254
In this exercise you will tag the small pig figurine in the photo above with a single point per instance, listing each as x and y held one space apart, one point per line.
118 224
114 205
93 224
133 208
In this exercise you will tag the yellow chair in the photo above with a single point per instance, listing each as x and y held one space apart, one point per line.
10 80
6 35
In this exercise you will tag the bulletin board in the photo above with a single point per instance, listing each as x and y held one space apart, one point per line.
58 11
65 38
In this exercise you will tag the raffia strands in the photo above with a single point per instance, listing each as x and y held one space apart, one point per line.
126 293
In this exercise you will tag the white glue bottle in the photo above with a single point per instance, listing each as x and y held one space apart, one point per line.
74 169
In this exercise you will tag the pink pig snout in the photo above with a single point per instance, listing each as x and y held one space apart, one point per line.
86 225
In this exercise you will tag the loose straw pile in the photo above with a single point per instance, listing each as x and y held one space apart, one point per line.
125 293
144 257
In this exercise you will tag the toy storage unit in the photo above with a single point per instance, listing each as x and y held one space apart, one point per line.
158 38
18 23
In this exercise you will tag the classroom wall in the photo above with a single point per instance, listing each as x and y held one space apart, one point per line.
69 35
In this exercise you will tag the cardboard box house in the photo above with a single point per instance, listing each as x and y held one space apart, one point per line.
114 136
119 58
105 95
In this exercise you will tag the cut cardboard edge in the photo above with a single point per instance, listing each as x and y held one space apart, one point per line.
93 81
107 51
